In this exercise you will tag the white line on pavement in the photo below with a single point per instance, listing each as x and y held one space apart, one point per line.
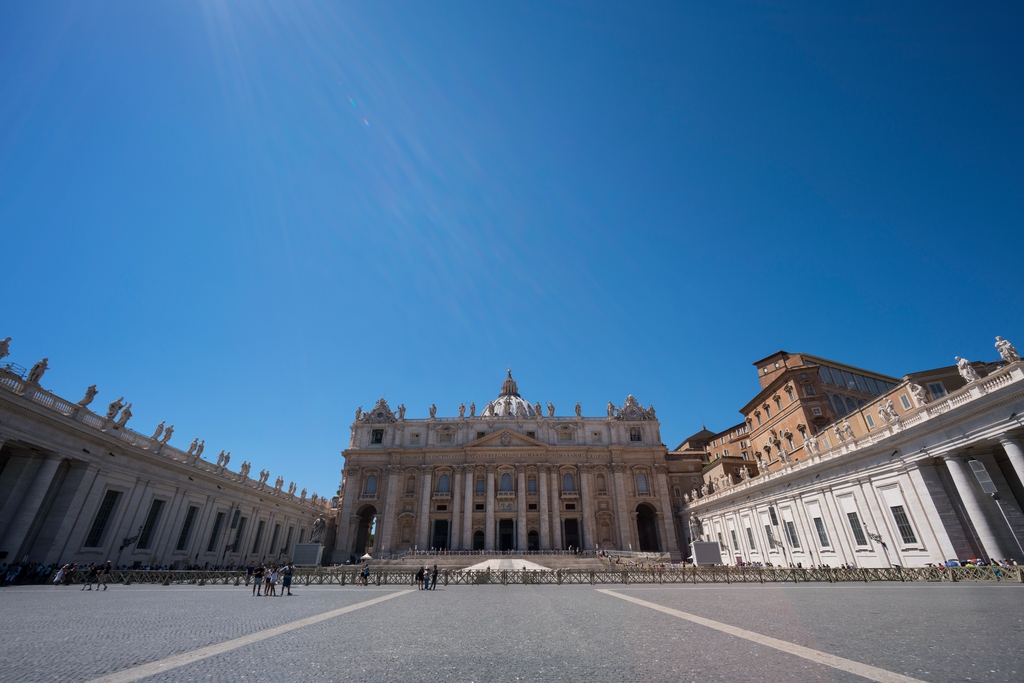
153 668
871 672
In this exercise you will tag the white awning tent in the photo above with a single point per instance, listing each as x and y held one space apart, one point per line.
366 557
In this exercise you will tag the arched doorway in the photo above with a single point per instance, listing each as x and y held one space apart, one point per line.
365 530
647 528
478 540
533 541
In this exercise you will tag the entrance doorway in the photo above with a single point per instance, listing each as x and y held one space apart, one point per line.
439 540
364 531
533 541
571 533
506 534
478 540
647 528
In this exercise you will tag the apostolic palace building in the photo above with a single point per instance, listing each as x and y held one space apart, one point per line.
828 464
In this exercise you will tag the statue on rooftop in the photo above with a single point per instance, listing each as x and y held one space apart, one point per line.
811 444
90 394
200 447
167 434
5 348
611 409
359 413
193 446
318 528
126 415
291 488
1007 351
433 411
220 458
227 458
472 409
848 429
551 409
579 410
401 412
278 483
920 395
36 373
159 430
967 370
244 469
302 496
114 407
462 410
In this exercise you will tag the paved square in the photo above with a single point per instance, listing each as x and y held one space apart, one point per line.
928 632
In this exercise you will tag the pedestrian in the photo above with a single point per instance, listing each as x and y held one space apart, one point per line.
419 578
248 573
257 579
271 581
101 579
90 576
364 576
433 578
286 578
60 575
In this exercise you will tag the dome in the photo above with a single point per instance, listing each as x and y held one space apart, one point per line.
509 403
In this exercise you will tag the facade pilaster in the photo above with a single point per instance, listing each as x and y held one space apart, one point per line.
975 511
621 512
423 524
521 531
668 518
545 521
392 493
455 534
467 513
587 505
349 496
1015 452
35 495
15 480
556 510
489 530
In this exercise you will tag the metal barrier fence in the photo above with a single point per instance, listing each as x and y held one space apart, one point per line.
470 577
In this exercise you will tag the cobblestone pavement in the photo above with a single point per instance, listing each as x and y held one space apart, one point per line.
931 632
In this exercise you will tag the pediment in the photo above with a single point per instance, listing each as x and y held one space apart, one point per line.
506 438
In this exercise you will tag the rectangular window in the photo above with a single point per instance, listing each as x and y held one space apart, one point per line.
377 436
238 534
259 537
870 420
531 435
735 541
532 506
862 384
936 390
767 411
273 538
414 439
720 541
824 440
775 519
825 374
792 396
531 485
479 507
791 532
808 390
288 541
750 538
444 438
771 538
725 453
481 486
858 530
758 416
481 435
146 537
234 519
190 517
570 506
442 508
905 402
565 436
595 437
215 534
99 524
302 536
635 434
822 536
903 524
815 411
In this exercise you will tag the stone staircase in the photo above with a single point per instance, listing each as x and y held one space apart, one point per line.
452 562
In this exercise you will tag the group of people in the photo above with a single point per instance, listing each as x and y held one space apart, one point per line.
25 573
265 577
426 578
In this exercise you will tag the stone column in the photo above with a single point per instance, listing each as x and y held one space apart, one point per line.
621 511
467 522
349 497
521 538
489 529
15 480
975 510
556 511
29 507
455 533
587 503
423 533
392 493
1015 452
545 522
75 512
668 518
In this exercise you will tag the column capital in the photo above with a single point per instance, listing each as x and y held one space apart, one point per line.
392 469
1011 438
661 469
490 467
426 469
618 467
585 466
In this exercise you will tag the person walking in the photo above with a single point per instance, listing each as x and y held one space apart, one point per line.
257 580
90 577
248 573
286 578
364 575
60 575
102 575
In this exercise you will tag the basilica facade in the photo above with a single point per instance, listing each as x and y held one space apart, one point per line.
513 477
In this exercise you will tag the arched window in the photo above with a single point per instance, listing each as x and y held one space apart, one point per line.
371 485
410 485
641 483
600 482
443 484
506 481
568 483
837 405
481 486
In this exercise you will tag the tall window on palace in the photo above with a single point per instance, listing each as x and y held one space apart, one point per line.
215 534
792 396
735 541
259 536
273 539
568 482
288 540
822 536
635 434
99 524
481 485
506 482
903 524
794 540
767 410
771 537
377 436
641 483
443 484
146 537
858 530
750 539
186 528
778 403
531 485
371 485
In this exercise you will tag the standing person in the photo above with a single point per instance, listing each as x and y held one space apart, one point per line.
433 578
248 573
365 575
286 580
102 576
271 581
419 578
257 579
90 576
60 575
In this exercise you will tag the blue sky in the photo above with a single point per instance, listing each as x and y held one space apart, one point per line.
250 218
